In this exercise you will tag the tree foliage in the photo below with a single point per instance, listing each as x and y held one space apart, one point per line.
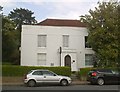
104 24
1 8
22 16
9 41
11 33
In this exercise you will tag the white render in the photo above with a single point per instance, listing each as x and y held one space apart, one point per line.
76 49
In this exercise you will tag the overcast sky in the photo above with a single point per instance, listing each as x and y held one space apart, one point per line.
57 9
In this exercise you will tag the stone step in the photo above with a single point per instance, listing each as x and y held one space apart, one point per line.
74 77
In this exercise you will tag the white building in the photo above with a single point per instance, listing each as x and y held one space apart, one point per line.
55 42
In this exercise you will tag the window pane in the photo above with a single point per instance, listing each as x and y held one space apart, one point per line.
41 40
37 73
88 59
48 73
41 58
65 40
87 45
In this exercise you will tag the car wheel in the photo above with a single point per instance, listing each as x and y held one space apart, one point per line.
31 83
64 82
100 81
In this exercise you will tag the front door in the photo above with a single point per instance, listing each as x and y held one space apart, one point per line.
67 60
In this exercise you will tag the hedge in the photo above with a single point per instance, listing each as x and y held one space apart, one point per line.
84 71
14 70
82 74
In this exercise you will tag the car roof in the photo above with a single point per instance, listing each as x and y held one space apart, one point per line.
102 70
40 70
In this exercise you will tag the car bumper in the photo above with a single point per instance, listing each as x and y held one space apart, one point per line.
92 80
25 81
69 81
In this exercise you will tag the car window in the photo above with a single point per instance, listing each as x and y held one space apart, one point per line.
48 73
115 72
104 70
29 72
37 73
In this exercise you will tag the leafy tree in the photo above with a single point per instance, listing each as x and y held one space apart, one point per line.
103 24
22 16
19 16
1 8
118 59
9 41
1 32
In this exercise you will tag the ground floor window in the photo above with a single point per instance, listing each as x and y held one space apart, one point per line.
41 58
88 59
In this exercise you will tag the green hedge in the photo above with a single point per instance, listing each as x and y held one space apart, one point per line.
84 71
13 70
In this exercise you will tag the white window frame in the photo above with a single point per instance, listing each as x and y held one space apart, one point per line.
65 40
42 40
41 58
88 61
87 45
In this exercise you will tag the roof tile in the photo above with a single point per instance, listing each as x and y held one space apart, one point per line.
62 22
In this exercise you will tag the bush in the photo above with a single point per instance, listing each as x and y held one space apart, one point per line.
84 71
14 70
82 74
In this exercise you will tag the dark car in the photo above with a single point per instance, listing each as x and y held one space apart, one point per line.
103 76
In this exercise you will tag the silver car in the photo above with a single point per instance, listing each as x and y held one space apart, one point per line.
45 76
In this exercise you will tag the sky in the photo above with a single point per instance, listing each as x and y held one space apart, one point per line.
55 9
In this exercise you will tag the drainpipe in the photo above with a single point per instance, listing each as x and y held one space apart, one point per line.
60 54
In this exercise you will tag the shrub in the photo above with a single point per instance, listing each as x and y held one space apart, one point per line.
82 74
84 71
14 70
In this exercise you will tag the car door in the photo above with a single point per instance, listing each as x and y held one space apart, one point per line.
38 76
110 77
117 75
50 77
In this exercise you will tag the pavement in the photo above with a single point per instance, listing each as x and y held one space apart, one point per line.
74 82
19 81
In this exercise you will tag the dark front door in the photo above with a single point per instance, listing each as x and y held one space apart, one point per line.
68 60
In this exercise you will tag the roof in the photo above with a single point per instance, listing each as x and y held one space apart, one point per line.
62 22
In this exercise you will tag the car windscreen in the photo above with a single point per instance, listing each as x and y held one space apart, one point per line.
29 72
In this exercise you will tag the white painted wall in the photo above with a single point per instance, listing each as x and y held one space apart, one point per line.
54 34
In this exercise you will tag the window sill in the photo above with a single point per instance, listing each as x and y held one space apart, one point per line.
88 65
42 47
88 48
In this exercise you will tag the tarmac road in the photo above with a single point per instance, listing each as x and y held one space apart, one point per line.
73 88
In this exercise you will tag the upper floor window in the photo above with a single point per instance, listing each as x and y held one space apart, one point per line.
65 40
42 40
87 45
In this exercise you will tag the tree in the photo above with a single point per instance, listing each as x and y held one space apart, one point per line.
1 8
1 31
9 41
103 24
22 16
118 9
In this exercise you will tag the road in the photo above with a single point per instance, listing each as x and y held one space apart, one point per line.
84 88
